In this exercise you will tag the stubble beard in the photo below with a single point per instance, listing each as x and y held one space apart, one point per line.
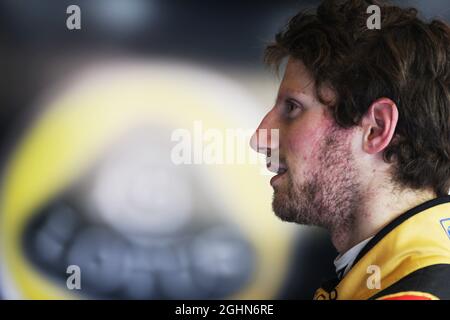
328 197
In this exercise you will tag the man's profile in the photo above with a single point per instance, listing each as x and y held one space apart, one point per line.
364 145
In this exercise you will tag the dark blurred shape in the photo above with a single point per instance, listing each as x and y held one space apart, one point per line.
311 264
212 262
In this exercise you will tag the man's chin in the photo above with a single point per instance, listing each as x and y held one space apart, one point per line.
290 208
281 208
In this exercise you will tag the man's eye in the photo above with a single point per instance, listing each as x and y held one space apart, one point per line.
292 108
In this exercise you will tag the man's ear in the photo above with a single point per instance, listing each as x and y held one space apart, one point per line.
379 125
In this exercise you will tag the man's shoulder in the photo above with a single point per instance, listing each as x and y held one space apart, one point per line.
429 283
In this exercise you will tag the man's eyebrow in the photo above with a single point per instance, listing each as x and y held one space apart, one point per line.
294 93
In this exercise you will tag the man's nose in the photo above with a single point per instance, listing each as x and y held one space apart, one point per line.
266 136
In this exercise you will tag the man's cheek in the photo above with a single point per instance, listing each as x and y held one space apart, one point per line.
305 146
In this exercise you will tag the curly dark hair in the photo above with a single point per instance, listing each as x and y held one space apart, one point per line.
407 60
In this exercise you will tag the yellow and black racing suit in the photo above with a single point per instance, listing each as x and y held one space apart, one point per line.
409 259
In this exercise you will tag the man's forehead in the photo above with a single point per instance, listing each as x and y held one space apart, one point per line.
296 79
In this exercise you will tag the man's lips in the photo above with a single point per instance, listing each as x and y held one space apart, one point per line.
279 169
277 177
276 167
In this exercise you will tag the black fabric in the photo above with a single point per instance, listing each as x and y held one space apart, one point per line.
433 279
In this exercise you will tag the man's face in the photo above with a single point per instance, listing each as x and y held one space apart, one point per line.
317 179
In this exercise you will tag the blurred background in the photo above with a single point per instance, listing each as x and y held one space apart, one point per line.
86 120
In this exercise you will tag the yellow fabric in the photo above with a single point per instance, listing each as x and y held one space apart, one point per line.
418 242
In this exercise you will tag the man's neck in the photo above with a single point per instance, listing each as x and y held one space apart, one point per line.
378 210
